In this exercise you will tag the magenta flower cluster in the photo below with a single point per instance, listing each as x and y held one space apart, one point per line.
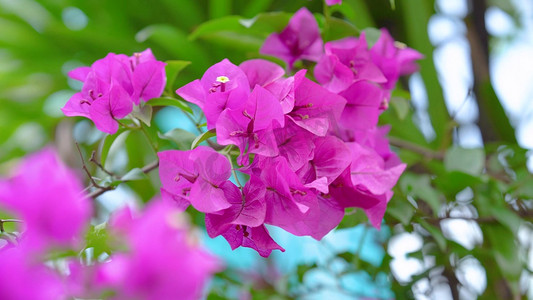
309 150
113 85
159 260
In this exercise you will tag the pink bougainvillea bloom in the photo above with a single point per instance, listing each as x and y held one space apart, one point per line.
48 198
162 262
25 277
299 40
250 127
293 206
331 157
295 144
363 107
370 170
345 194
333 2
148 76
112 85
104 111
393 58
316 108
320 219
284 88
261 72
243 223
347 61
287 199
100 102
197 176
257 238
224 85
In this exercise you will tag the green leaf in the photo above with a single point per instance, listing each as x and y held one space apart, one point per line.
347 256
175 41
241 33
415 16
334 28
506 252
506 217
219 8
363 17
111 143
436 233
204 136
302 269
451 183
401 210
419 186
401 106
167 101
372 35
134 174
229 23
98 238
142 112
183 138
470 161
172 69
352 218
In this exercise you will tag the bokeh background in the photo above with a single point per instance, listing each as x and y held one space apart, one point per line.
460 224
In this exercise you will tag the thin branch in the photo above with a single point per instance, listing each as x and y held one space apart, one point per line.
85 168
98 164
428 153
100 190
2 221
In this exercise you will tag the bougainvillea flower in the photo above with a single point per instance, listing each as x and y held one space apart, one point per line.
224 85
295 144
257 238
299 40
106 110
24 277
393 58
148 77
247 208
363 107
320 219
346 194
162 262
261 72
101 103
297 208
242 223
283 89
315 108
287 199
196 175
370 170
250 127
331 157
102 99
112 85
48 198
346 61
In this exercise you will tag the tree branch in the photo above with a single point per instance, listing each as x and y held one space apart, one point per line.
100 190
428 153
2 221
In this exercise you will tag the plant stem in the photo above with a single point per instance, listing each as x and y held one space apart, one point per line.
428 153
100 190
